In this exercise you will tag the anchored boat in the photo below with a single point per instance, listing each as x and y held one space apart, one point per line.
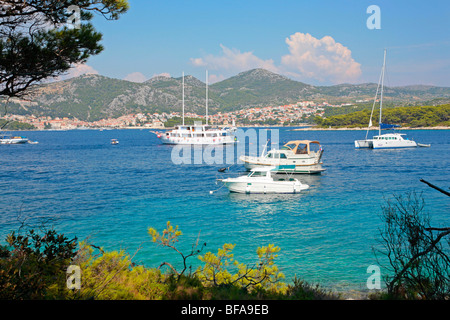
198 133
8 139
298 156
387 140
264 180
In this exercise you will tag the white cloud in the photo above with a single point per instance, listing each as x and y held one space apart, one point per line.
81 69
321 59
213 78
233 60
76 71
135 77
164 74
309 58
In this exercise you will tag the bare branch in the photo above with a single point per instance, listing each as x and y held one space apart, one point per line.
437 188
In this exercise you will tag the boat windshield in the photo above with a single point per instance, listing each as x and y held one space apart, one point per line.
257 174
288 146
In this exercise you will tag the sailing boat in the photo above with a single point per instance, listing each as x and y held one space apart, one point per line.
198 133
387 140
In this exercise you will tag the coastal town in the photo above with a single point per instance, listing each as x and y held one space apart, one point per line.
290 114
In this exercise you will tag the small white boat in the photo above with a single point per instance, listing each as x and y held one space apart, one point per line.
114 141
298 156
264 180
8 139
424 145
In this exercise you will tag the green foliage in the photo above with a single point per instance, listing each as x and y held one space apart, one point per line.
423 116
265 274
33 266
37 42
302 290
168 239
418 260
15 125
113 276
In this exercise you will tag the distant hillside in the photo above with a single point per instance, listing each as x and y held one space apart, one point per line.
423 116
259 87
94 97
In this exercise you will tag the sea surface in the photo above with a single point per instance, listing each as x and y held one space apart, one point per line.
80 184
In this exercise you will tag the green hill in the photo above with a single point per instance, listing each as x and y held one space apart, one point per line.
94 97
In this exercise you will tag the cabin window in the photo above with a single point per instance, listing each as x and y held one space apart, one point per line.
283 156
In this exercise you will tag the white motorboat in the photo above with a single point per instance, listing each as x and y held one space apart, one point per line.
298 156
114 141
8 139
198 133
264 180
388 140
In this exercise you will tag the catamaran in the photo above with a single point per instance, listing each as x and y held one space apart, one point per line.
388 140
198 133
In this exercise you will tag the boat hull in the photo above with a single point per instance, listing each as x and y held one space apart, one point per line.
264 187
394 144
284 166
363 144
14 141
198 141
391 141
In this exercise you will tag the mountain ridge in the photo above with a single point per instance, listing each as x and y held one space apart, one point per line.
93 97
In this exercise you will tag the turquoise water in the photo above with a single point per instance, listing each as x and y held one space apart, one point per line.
82 185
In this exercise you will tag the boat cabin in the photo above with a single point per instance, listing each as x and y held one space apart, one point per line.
259 172
390 136
197 131
302 146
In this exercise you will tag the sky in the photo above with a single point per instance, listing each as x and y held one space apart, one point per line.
321 42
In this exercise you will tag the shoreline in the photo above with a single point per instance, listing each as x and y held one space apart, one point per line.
300 128
371 128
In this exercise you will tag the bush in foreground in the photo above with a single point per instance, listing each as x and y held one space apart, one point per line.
33 266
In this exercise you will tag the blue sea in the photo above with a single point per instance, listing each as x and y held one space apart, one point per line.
80 184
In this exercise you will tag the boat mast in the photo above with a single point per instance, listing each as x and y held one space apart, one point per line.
373 106
381 97
206 97
183 98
